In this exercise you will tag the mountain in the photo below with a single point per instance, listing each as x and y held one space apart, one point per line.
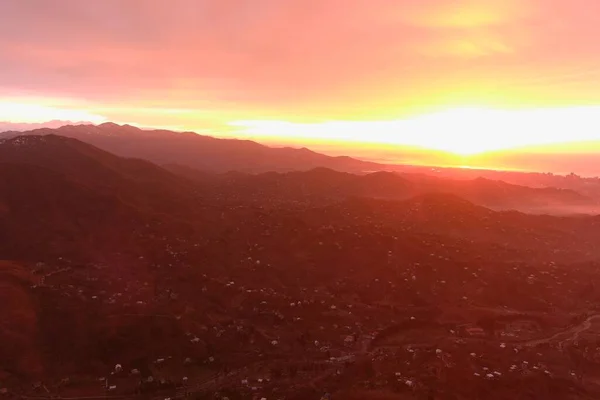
498 194
130 278
60 196
186 153
197 151
53 189
135 181
329 185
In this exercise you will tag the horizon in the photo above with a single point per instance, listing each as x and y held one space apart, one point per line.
452 161
495 84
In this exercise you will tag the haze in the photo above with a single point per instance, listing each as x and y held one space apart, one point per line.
433 82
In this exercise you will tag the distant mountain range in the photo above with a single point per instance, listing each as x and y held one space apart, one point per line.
188 153
327 183
200 152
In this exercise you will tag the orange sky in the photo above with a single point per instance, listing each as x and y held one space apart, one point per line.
458 75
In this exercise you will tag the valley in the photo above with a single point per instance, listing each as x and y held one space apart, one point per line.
125 280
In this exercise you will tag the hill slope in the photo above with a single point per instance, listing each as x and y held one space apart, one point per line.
61 196
136 182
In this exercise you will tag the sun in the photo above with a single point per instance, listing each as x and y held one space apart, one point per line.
456 131
475 130
461 131
464 131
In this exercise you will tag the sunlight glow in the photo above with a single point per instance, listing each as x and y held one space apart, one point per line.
34 113
462 131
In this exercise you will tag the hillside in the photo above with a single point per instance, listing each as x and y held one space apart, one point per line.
137 182
282 284
60 196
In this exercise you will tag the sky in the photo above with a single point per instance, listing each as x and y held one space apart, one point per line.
460 76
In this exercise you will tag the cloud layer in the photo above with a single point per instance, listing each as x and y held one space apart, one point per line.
216 61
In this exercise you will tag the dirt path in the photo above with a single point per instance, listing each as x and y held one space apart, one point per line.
566 335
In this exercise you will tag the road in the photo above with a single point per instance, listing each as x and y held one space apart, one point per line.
565 335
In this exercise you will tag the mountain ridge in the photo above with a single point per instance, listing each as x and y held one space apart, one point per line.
307 172
199 151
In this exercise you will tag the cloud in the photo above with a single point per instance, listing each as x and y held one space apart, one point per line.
467 14
467 46
457 130
35 113
7 126
275 59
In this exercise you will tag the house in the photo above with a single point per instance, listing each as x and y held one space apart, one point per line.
471 330
475 331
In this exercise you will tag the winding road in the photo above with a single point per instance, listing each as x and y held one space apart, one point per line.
566 335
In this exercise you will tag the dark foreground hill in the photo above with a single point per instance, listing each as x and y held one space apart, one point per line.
127 279
136 181
62 196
